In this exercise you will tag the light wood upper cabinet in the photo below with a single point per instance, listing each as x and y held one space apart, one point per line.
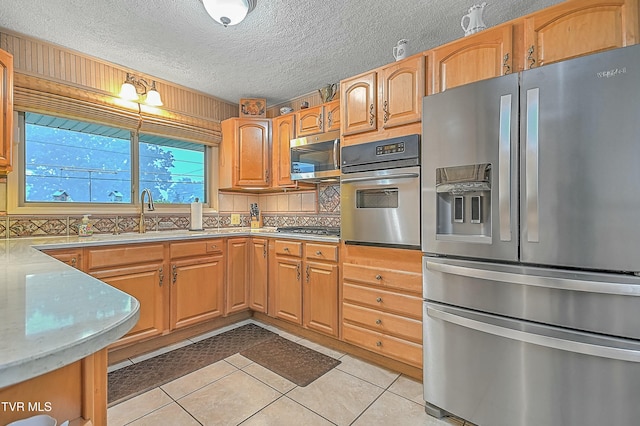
310 121
483 55
401 89
332 116
258 274
283 132
237 294
576 28
358 100
6 110
244 153
318 119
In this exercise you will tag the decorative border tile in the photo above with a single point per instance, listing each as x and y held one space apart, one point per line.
37 226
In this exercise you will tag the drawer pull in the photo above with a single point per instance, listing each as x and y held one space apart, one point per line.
318 253
378 343
378 321
213 246
379 299
378 277
286 249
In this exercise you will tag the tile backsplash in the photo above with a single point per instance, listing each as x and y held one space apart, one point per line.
301 208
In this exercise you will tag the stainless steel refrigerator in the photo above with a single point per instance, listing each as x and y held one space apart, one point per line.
531 241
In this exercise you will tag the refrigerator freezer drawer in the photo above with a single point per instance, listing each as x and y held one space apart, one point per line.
497 371
594 302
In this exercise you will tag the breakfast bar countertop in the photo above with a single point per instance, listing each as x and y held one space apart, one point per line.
52 315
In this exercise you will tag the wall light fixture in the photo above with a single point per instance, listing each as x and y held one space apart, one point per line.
139 90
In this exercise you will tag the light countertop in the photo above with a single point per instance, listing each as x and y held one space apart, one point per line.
52 315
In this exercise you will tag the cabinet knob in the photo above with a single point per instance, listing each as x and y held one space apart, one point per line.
286 249
379 299
378 277
74 261
378 343
378 321
318 253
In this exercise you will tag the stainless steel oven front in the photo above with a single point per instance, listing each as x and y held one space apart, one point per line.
380 193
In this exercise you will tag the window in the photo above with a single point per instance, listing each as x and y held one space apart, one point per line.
172 169
70 161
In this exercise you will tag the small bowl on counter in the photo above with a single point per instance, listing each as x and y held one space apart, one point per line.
285 110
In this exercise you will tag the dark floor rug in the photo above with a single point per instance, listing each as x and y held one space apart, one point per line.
294 362
290 360
135 379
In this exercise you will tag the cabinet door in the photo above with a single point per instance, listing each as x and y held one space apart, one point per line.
310 121
283 132
287 289
402 85
197 290
252 155
145 283
6 110
72 257
480 56
321 297
258 275
332 115
577 28
237 298
358 100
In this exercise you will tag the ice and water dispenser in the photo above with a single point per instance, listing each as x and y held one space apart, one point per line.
464 202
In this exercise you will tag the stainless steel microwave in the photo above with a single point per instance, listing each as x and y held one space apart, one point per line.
316 158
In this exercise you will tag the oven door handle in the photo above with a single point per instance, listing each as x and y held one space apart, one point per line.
336 154
389 177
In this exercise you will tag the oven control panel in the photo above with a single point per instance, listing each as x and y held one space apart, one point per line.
390 148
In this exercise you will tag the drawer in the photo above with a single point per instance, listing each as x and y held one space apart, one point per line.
382 299
391 278
289 248
196 248
124 255
322 252
384 322
389 346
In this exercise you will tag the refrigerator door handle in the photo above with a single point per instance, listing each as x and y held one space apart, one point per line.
560 283
550 337
504 168
531 163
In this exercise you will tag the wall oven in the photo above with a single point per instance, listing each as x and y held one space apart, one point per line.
380 193
316 158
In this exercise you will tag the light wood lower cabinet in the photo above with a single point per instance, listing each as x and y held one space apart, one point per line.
75 392
72 257
138 270
320 297
237 291
382 301
258 274
197 282
287 289
304 288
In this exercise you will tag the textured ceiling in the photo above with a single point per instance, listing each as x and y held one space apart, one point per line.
283 49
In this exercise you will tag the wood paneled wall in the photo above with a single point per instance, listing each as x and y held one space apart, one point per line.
51 62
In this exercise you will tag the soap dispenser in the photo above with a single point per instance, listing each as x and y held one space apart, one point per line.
85 229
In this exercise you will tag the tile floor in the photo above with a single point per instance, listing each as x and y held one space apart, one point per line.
237 391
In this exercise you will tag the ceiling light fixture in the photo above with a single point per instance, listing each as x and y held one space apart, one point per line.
229 12
139 90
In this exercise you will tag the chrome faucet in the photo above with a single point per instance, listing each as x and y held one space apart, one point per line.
147 191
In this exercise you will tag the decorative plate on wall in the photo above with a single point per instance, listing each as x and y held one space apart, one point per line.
253 108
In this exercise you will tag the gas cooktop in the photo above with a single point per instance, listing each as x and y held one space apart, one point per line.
315 230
